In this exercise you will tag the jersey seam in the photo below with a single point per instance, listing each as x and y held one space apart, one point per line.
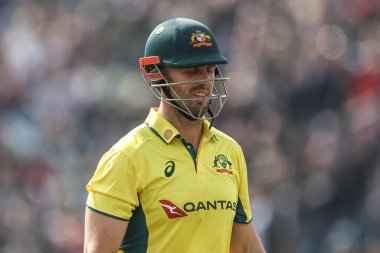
106 214
136 149
134 152
223 136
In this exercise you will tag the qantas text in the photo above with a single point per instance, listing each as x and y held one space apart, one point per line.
209 205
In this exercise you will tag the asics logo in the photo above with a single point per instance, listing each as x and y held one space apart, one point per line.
170 167
171 210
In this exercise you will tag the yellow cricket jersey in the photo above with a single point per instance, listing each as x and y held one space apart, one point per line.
175 199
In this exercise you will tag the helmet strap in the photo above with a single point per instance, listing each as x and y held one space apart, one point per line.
212 116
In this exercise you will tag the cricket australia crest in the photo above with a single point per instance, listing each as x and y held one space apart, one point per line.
222 164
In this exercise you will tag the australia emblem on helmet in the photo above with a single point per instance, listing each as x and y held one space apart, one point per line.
199 38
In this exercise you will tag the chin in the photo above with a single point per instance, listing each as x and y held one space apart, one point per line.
197 112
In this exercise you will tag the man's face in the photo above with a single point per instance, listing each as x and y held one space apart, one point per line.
194 95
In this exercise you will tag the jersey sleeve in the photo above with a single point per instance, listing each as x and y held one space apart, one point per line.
243 211
112 191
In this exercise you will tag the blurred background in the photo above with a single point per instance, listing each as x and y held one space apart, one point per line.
304 103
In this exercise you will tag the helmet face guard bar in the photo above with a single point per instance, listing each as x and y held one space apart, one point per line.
211 105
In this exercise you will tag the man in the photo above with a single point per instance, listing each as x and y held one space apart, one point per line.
174 184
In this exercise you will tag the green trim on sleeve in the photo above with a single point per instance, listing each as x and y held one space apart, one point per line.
106 214
245 222
241 216
136 237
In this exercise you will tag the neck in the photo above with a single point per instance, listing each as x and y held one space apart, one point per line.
190 130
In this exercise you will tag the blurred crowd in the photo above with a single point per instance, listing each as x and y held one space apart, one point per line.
304 103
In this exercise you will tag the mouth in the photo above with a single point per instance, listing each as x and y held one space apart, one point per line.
200 94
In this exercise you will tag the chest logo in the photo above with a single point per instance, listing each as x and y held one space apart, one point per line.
171 210
222 164
169 169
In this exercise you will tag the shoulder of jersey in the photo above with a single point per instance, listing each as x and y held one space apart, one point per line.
136 138
222 136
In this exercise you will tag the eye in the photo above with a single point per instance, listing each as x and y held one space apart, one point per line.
191 70
210 69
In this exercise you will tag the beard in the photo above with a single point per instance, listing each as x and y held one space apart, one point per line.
199 100
193 102
200 107
197 107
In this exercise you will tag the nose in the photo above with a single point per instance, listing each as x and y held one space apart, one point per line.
208 72
204 73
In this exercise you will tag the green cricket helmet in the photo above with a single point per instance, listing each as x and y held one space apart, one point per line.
184 43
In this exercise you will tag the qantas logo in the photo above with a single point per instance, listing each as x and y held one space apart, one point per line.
209 205
171 210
